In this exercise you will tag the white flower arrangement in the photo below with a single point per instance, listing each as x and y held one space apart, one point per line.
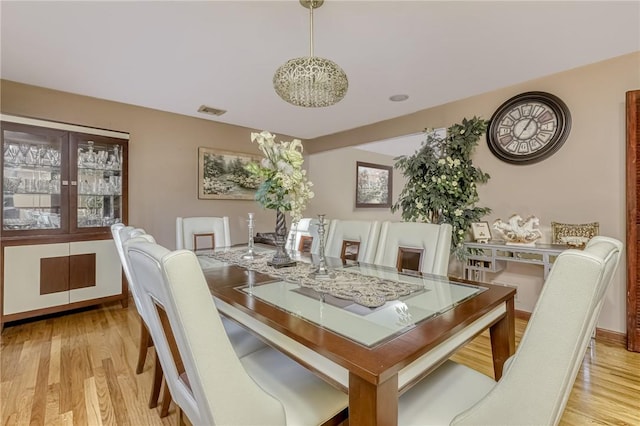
285 186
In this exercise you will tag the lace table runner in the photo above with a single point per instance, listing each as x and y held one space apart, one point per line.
368 291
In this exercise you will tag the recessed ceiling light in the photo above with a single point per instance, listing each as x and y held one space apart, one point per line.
211 110
398 98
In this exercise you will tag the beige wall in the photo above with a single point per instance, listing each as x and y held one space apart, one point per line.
163 159
583 182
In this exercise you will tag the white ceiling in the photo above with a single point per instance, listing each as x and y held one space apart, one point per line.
176 56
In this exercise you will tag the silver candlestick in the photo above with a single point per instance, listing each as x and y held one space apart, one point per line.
322 272
251 280
292 238
250 253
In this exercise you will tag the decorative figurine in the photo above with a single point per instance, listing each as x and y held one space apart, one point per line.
517 231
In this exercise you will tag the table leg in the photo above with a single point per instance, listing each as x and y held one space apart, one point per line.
503 338
373 405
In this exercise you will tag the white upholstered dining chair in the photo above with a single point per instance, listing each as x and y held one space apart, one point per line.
194 233
243 341
218 386
426 243
303 236
359 235
538 378
121 234
296 231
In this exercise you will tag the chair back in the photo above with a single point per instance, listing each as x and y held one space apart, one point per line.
307 229
194 233
537 380
359 235
428 241
297 234
313 232
221 390
145 260
121 234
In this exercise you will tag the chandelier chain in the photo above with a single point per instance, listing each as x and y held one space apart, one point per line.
311 30
310 81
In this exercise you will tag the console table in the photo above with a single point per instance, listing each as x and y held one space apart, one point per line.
494 255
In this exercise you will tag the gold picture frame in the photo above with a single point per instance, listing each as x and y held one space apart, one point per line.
222 175
575 235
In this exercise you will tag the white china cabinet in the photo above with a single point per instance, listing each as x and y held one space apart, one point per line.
63 186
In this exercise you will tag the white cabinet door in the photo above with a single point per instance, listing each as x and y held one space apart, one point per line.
25 287
108 272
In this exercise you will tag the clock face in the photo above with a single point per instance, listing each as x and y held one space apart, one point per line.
528 128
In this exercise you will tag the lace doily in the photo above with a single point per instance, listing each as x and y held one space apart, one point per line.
364 290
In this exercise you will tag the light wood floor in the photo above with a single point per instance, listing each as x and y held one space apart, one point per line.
78 369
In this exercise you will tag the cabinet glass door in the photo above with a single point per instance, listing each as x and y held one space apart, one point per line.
33 194
99 186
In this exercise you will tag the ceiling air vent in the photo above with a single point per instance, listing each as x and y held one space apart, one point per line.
210 110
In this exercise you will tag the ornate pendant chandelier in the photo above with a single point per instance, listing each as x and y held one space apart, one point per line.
310 81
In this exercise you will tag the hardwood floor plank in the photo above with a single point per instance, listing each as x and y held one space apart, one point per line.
117 400
52 412
75 368
107 410
9 402
90 378
24 383
67 419
66 388
54 359
4 396
92 404
11 349
39 406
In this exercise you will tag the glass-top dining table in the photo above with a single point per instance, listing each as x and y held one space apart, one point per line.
369 330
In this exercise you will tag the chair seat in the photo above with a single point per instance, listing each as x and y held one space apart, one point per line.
438 398
307 400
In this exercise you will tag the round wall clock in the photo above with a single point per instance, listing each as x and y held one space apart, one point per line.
528 128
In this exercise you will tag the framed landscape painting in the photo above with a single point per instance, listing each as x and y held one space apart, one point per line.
222 175
373 185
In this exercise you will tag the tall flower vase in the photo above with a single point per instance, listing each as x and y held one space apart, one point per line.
281 257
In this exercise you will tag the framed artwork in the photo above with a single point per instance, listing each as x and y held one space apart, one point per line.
373 185
222 175
481 231
575 235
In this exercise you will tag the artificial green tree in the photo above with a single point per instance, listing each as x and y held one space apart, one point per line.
441 181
